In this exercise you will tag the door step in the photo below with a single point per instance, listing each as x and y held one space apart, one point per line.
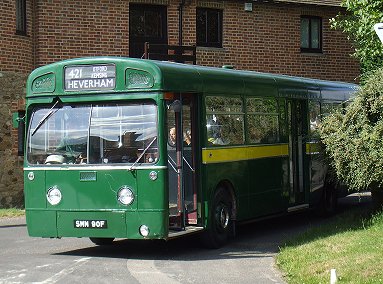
298 207
188 230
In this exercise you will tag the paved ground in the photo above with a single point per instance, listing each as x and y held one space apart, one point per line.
247 259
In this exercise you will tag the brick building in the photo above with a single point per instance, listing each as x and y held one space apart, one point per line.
287 37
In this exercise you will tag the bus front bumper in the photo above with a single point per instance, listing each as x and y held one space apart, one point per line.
101 224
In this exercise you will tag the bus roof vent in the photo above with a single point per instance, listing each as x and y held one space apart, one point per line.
228 66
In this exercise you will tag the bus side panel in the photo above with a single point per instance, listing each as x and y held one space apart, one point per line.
233 173
260 185
268 181
317 177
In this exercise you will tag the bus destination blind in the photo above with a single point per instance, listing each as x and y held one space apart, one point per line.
90 77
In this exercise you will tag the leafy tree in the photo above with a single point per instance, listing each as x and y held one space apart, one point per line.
354 138
359 23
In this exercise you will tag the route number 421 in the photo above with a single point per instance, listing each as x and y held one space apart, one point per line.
75 73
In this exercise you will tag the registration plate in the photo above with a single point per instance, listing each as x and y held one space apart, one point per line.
91 224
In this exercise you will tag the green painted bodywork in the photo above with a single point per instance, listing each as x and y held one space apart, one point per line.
261 187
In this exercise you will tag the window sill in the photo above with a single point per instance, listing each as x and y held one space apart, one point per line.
206 48
312 53
19 33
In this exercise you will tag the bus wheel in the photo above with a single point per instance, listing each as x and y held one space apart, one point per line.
102 241
329 201
220 219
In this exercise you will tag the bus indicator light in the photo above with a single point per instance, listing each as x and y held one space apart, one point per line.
153 175
144 231
31 176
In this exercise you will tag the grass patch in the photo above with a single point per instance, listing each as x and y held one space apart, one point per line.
12 212
350 242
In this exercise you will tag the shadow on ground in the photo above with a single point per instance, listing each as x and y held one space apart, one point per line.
260 239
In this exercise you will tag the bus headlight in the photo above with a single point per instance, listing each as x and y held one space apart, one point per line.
54 195
125 195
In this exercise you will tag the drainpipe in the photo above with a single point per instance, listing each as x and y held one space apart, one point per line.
180 32
34 33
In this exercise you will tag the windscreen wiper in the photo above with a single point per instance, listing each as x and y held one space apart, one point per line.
143 153
45 118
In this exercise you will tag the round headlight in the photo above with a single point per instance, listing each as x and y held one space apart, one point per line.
144 230
54 195
125 195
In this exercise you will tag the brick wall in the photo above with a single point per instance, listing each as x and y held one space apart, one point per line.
15 50
73 28
266 40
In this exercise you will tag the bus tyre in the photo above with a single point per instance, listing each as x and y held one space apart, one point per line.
102 241
220 219
329 201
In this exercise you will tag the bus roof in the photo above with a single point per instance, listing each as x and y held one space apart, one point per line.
132 75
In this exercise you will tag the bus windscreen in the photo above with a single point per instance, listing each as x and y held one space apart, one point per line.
93 134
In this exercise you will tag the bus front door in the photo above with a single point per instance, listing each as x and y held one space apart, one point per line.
297 113
181 163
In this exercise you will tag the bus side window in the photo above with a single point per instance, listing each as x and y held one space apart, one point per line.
225 120
314 109
262 120
328 107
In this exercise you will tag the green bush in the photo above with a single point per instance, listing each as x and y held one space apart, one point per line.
354 138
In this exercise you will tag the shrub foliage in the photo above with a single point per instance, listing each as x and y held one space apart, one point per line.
354 138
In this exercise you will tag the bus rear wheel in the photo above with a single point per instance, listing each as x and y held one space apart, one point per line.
102 241
329 202
220 219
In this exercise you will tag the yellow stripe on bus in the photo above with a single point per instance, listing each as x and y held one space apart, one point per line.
230 154
312 148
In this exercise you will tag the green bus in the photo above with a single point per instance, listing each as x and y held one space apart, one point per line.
140 149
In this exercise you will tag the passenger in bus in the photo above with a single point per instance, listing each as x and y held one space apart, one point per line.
314 121
187 137
172 137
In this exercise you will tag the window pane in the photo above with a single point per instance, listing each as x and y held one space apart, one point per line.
153 24
305 33
315 33
263 128
225 120
21 24
58 135
225 129
209 27
261 105
201 27
137 25
213 27
314 108
224 104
